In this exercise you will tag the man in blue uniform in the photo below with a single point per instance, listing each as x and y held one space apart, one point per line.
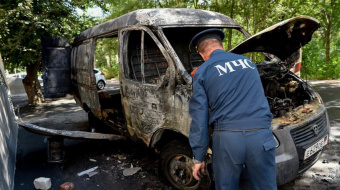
228 94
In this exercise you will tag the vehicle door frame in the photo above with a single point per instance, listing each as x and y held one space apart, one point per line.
86 95
133 92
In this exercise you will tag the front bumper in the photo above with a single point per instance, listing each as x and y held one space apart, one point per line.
294 140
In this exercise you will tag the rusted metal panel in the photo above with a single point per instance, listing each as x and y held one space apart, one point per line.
160 17
146 103
164 103
83 78
67 133
56 53
180 104
281 39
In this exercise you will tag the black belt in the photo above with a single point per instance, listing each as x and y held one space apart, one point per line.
240 130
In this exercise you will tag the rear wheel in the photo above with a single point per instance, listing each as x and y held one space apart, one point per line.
177 165
100 85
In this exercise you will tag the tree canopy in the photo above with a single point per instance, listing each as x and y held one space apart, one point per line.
321 57
24 22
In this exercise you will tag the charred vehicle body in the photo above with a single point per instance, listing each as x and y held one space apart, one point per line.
151 103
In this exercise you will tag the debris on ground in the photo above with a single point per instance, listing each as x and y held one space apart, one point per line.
67 186
93 160
325 161
122 165
131 171
92 174
87 171
42 183
121 157
142 174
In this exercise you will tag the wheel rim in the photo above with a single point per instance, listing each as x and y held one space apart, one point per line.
180 171
101 85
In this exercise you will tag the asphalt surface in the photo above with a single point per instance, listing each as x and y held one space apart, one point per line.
115 156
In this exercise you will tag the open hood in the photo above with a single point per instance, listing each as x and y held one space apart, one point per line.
281 39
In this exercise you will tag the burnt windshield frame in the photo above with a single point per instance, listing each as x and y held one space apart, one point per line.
178 62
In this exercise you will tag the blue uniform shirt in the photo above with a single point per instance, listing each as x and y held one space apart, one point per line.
227 92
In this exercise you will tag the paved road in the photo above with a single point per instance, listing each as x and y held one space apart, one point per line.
113 157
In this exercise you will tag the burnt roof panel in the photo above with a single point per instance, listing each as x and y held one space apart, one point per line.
168 17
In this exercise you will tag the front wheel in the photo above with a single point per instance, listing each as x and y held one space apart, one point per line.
100 85
177 165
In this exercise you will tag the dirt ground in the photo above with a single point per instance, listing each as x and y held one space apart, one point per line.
111 157
115 156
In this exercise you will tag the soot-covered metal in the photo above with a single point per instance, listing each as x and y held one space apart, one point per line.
151 103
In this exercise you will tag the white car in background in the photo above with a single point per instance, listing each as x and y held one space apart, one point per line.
100 79
23 75
17 75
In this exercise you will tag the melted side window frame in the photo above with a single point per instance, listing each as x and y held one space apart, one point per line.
124 68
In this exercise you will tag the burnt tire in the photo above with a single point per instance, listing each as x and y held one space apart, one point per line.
176 165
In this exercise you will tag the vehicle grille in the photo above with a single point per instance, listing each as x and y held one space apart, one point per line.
304 133
305 164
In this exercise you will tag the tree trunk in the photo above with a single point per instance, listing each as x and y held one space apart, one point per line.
230 31
328 33
255 25
328 37
328 41
195 4
32 85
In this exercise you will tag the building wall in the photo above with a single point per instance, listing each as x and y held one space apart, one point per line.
8 136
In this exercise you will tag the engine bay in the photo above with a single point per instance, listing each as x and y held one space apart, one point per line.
284 91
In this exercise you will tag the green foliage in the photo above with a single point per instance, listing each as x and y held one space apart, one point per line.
106 56
313 64
256 15
111 71
321 55
24 22
237 38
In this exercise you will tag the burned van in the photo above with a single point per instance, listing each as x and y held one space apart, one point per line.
150 104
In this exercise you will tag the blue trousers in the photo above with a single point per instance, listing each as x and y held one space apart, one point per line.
253 149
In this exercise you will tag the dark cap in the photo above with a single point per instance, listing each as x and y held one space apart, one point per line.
212 33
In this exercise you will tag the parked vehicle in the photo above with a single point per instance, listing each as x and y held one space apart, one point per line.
152 102
18 75
23 75
100 79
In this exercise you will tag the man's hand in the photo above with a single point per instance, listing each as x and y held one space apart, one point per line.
198 170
